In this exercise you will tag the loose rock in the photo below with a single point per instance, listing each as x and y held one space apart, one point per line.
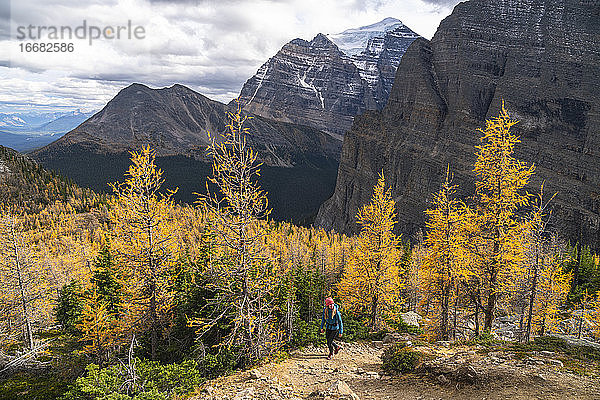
255 374
340 390
411 318
246 394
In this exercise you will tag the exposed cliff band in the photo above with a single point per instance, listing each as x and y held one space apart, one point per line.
541 56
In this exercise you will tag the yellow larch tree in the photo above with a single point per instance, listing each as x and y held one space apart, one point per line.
535 250
446 260
245 285
546 283
370 283
588 312
415 273
553 286
592 315
39 253
100 328
144 238
24 280
498 243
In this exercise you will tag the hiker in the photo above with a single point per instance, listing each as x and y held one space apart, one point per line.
332 320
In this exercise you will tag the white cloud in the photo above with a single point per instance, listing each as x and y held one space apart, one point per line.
209 45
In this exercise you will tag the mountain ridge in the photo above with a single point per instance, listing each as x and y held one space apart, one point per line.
315 83
175 122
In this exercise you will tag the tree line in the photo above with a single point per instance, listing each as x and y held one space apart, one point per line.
220 282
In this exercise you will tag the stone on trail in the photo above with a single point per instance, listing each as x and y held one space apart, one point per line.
341 391
255 374
372 375
466 373
246 394
395 337
208 390
555 362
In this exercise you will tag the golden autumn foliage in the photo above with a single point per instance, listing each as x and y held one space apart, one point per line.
554 285
592 315
245 285
446 261
545 282
293 246
22 284
38 254
32 189
240 275
143 236
497 240
489 256
101 330
370 282
589 308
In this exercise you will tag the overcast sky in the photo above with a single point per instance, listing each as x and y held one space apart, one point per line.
210 46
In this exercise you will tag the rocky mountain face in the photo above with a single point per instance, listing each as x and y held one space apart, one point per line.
381 48
175 121
322 85
541 57
311 83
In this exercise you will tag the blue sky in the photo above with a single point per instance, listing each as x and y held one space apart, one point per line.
210 46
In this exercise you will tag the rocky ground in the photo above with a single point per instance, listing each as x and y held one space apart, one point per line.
467 372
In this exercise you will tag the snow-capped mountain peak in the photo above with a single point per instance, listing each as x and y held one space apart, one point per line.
11 120
324 83
354 41
376 50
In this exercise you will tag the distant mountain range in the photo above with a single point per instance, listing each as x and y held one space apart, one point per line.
300 162
302 101
65 123
327 81
11 121
417 104
42 121
31 130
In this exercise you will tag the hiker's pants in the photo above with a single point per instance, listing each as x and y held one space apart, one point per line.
331 335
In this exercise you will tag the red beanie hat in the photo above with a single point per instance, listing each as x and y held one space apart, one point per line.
328 301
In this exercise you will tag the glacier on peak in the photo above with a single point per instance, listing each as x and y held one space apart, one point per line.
353 41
